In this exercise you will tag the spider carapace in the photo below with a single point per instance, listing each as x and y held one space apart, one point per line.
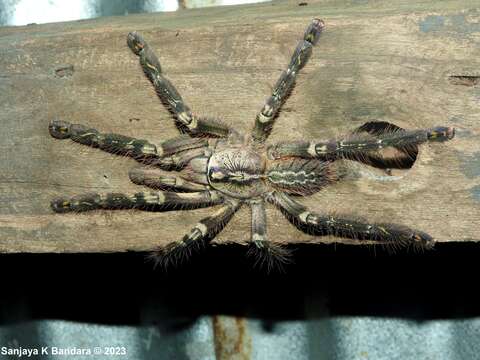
217 166
238 173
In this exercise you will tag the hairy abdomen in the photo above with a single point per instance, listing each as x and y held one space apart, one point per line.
299 176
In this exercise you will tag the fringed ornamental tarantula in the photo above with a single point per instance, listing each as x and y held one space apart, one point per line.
219 166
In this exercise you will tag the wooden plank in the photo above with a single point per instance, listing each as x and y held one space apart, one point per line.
416 65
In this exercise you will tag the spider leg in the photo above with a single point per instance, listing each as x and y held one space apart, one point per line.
141 150
200 235
157 179
265 253
357 147
170 97
286 82
147 201
179 160
309 222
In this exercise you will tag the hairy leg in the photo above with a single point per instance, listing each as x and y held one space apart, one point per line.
147 201
359 147
201 234
266 254
179 160
157 179
309 222
286 82
113 143
141 150
170 97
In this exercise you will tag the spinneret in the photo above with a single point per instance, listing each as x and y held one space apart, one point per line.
218 166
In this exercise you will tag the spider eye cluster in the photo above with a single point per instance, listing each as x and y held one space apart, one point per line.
215 173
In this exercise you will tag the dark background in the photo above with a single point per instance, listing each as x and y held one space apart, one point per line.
345 280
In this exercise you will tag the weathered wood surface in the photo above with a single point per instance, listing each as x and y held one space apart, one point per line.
414 64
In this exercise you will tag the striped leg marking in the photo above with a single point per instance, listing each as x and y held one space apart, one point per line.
286 82
357 147
265 254
113 143
206 229
147 201
164 154
169 95
309 222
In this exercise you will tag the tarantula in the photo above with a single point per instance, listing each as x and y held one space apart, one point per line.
219 166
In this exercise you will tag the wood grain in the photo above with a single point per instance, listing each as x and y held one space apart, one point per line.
414 64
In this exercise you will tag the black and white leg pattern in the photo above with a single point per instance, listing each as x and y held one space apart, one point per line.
141 150
286 82
199 236
170 97
147 201
266 254
317 224
112 143
358 147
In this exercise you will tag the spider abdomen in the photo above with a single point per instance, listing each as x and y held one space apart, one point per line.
299 176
